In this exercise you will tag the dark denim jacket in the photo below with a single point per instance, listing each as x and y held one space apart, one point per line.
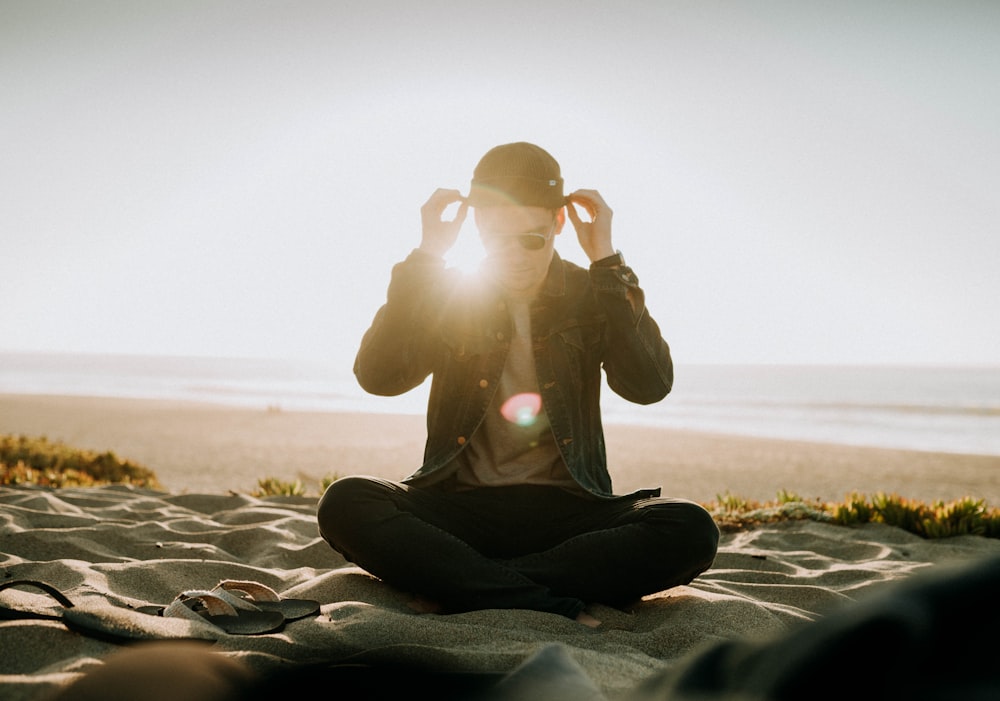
437 321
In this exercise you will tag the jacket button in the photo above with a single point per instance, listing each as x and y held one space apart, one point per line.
500 335
484 384
461 440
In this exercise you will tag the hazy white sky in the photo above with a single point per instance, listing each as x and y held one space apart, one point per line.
792 181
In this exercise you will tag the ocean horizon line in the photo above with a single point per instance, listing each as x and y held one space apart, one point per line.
328 360
953 409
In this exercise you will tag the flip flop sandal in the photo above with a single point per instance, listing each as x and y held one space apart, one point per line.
264 598
120 625
32 612
200 605
102 621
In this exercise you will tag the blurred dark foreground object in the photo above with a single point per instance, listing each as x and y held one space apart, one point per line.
930 637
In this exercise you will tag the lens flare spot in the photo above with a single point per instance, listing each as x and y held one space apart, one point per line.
522 409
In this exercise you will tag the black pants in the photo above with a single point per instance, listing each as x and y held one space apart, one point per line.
526 547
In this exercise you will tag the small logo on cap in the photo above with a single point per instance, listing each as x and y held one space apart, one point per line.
552 183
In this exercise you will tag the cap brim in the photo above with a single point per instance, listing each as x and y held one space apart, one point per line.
516 191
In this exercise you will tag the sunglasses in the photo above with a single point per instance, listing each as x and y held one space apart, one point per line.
529 240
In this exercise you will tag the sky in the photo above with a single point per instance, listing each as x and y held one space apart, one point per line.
792 181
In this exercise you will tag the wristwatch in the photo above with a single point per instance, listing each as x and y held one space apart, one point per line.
612 261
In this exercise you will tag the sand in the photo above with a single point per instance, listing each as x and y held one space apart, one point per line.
112 549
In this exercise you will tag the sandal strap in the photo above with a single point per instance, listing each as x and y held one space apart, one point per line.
45 587
254 590
214 605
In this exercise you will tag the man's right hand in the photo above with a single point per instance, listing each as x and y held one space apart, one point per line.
439 235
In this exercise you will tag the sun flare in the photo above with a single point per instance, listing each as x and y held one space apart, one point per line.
468 252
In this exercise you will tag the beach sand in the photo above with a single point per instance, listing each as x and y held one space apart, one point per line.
205 448
112 549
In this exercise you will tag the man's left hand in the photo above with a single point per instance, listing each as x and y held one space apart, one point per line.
594 235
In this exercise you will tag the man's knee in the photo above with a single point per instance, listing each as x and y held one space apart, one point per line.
691 524
704 532
339 506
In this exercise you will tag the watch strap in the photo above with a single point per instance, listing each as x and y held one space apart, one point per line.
612 261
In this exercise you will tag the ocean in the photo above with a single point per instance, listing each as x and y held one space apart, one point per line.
934 408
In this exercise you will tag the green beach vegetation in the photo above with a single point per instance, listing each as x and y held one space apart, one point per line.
938 519
37 461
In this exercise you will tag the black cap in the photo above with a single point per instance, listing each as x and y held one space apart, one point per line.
518 174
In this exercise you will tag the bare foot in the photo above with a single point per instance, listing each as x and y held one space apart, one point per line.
587 620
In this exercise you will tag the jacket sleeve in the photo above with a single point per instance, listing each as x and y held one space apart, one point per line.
637 360
396 351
